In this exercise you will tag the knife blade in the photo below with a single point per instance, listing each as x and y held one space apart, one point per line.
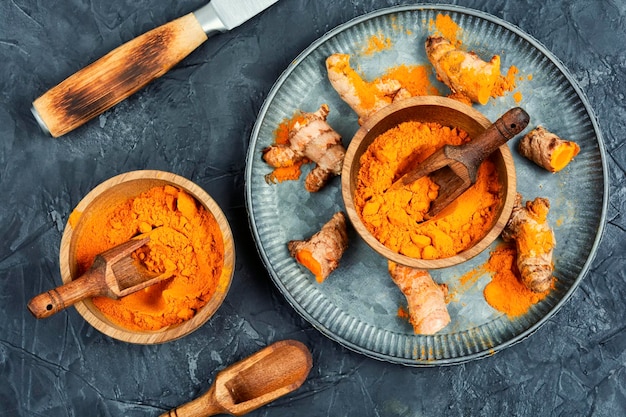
131 66
222 16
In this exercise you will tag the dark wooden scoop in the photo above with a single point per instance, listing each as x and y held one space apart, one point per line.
114 274
454 168
270 373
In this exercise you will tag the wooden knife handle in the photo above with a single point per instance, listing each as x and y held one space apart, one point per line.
48 303
117 75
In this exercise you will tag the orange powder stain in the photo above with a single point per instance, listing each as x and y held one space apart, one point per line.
470 277
506 83
377 43
290 173
447 28
414 78
403 313
394 24
466 281
505 292
281 134
281 137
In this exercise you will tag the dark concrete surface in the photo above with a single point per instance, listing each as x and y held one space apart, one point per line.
196 121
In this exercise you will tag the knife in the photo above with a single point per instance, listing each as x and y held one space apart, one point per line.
125 70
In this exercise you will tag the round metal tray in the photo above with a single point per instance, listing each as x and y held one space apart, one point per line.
357 305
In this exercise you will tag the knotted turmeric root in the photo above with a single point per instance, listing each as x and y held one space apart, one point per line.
321 253
364 97
547 150
310 137
463 72
426 299
534 241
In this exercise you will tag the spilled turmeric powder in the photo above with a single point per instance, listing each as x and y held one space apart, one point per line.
185 240
367 97
446 27
470 79
413 78
395 216
506 293
292 170
376 43
310 139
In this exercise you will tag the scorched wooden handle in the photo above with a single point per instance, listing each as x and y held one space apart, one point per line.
117 75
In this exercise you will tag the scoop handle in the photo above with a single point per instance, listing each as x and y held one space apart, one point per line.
117 75
203 406
506 127
51 302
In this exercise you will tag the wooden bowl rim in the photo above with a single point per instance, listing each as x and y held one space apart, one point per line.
350 161
91 313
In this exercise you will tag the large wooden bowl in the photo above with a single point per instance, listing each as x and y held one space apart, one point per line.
446 112
113 192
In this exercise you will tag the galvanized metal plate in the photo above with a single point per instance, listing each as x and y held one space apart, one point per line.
357 305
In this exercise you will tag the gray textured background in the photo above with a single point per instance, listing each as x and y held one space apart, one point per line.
196 121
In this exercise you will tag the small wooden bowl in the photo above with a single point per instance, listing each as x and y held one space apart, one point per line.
446 112
113 192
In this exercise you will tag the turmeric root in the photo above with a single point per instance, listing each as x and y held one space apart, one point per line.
321 253
364 97
534 241
426 299
547 150
463 72
311 138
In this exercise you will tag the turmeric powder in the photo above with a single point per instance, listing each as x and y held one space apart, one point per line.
310 138
415 79
506 293
446 27
534 240
464 72
364 97
376 43
185 240
367 97
290 168
395 216
470 79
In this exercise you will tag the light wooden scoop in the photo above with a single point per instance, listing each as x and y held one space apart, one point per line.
454 168
114 274
272 372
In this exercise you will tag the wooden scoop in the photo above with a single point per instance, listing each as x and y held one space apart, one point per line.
257 380
454 168
113 274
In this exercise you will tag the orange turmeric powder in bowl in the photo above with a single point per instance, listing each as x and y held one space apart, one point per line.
396 216
392 221
189 239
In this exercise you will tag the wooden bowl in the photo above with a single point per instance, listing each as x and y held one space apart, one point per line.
446 112
113 192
